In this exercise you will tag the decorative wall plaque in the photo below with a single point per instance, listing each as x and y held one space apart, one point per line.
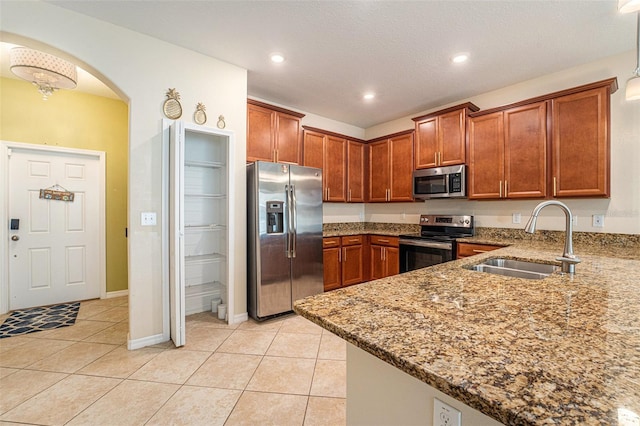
171 107
221 123
200 116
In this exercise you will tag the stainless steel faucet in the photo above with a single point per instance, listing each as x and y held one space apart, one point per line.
568 259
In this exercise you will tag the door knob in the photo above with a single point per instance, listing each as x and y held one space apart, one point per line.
14 238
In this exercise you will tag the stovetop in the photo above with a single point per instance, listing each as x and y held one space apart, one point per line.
443 227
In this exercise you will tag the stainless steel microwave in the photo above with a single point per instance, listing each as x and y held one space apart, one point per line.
440 182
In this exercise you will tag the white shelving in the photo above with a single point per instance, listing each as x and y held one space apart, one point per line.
205 206
200 223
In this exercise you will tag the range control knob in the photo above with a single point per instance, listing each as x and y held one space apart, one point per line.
466 221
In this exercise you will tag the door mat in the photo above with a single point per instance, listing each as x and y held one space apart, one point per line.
30 320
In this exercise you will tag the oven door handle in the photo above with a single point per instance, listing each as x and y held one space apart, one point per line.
428 244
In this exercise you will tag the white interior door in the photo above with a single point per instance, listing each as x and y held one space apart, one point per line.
55 255
177 314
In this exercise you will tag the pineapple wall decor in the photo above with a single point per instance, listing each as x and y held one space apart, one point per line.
200 116
171 107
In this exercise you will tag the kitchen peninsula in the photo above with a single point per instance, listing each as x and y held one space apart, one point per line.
561 350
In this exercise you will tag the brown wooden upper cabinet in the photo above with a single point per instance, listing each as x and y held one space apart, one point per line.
508 153
580 137
355 172
440 137
341 161
390 168
556 145
273 133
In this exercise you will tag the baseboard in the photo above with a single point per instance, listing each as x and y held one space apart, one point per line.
119 293
145 341
240 318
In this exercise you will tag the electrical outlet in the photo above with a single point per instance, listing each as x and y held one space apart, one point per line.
444 414
598 221
148 219
575 220
517 218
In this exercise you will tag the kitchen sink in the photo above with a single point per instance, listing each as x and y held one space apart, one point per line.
515 268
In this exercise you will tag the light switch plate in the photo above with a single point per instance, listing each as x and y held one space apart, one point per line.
148 218
517 218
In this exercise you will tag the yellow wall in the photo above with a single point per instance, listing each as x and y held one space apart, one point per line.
77 120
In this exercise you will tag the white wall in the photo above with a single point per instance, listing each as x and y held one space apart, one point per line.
622 210
142 69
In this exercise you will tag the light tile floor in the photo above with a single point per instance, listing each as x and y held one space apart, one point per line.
286 371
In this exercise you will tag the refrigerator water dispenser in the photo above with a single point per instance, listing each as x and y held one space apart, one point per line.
275 217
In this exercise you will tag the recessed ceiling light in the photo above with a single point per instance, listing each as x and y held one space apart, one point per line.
277 58
460 58
369 96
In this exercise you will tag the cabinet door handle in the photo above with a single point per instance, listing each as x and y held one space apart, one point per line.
383 241
383 252
340 256
328 193
480 251
554 186
506 192
439 158
435 158
349 199
344 255
500 189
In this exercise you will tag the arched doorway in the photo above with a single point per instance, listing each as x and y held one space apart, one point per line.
92 117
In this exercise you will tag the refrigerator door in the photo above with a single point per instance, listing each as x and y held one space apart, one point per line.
269 269
306 261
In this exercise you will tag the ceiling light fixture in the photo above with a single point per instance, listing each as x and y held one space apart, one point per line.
627 6
460 58
47 72
633 84
368 96
277 58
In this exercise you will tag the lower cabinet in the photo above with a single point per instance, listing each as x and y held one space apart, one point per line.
471 249
344 261
385 256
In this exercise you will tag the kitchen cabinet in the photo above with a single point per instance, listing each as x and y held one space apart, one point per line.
440 137
390 168
580 143
384 255
471 249
331 262
342 162
343 259
200 217
273 134
355 172
508 153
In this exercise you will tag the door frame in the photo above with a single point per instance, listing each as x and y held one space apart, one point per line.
5 149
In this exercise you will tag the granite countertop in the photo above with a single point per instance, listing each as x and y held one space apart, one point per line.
562 350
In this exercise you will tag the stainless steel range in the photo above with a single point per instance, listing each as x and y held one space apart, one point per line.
436 242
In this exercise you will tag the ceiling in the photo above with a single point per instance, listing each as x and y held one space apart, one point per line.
337 50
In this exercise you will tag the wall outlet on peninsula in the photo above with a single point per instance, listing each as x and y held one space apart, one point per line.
444 414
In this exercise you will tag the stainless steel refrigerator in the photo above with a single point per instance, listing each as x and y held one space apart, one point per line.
284 212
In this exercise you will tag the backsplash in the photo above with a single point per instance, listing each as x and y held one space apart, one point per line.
488 234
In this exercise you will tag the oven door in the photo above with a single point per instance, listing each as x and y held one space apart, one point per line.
416 254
